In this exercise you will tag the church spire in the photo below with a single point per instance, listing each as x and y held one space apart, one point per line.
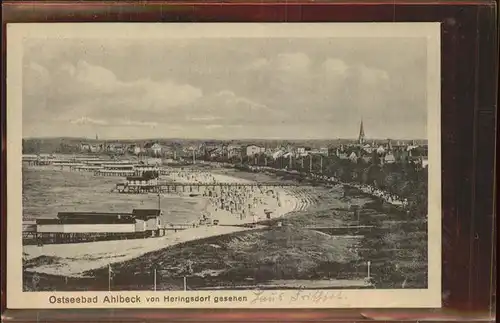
361 138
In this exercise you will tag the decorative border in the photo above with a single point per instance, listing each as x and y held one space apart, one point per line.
469 78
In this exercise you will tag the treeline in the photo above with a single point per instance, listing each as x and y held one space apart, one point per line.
406 180
50 146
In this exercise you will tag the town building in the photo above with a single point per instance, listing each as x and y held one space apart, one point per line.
389 158
252 150
380 150
301 150
153 148
278 154
134 149
353 157
85 147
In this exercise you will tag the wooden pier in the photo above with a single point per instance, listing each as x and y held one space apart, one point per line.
139 188
87 168
114 172
42 162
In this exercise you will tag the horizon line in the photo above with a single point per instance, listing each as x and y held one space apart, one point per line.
217 139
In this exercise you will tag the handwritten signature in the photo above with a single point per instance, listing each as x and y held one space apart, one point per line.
299 296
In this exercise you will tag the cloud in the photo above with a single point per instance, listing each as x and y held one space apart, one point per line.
323 90
282 63
363 74
226 107
245 86
293 62
96 93
372 75
130 123
88 94
335 66
114 123
88 121
258 64
213 126
36 79
203 118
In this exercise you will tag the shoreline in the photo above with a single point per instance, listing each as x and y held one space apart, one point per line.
73 260
238 206
335 201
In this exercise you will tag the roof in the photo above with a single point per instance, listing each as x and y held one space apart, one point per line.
91 213
64 215
389 157
138 178
146 213
119 165
88 218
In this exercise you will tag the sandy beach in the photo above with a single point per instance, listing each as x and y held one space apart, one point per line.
240 205
74 259
229 205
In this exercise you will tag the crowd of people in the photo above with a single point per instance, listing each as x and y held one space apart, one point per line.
368 189
244 203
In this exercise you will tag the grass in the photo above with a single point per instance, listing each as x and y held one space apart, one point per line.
286 253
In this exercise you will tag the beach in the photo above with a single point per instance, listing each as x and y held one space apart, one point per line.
290 248
230 206
73 260
233 205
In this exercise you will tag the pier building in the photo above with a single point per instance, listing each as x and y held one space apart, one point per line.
70 227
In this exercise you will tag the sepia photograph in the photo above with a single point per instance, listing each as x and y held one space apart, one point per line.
197 160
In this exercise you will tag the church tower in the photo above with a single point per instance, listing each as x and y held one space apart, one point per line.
361 139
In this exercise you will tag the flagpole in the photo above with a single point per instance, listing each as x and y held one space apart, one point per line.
155 280
185 285
369 264
109 277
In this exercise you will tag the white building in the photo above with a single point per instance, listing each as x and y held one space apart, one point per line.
353 157
254 150
156 149
278 154
137 150
389 158
323 151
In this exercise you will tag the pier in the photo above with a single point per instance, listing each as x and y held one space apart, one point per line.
141 187
114 172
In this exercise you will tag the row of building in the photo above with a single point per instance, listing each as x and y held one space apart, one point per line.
234 150
389 151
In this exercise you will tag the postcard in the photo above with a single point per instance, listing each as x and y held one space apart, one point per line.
224 165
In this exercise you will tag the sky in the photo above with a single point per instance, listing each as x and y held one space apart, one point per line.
225 88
